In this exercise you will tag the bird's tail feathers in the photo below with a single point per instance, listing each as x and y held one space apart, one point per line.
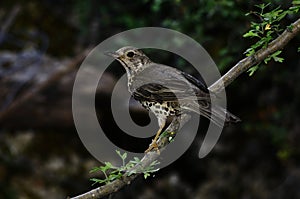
216 114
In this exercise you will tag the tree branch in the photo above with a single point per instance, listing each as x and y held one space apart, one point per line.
224 81
149 157
259 56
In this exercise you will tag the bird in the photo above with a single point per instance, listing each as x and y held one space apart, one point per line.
166 91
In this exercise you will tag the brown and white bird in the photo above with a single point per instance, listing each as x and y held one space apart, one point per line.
166 91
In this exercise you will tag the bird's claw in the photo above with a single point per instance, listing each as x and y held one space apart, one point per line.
152 146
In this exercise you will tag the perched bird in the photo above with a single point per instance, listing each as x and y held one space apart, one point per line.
166 91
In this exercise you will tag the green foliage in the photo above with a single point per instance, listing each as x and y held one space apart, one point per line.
170 135
252 70
275 57
150 169
112 173
268 27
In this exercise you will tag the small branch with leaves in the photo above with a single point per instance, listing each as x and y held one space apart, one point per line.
112 173
264 50
119 177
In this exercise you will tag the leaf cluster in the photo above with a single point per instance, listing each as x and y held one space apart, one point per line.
112 173
266 29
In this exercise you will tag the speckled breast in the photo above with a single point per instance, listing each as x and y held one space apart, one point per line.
164 109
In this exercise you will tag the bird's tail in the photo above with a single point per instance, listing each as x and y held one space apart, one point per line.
216 114
229 117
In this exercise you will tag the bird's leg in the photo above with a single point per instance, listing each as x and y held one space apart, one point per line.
154 145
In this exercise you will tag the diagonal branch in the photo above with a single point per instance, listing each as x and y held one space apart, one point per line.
149 157
225 80
259 56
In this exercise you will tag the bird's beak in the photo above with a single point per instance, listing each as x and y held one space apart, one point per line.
112 54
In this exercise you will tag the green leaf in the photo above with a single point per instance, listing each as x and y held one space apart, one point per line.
251 34
131 172
290 27
137 160
275 56
249 52
298 49
146 175
296 2
278 59
266 60
95 169
248 13
119 153
262 6
252 70
112 177
96 180
124 156
154 163
108 165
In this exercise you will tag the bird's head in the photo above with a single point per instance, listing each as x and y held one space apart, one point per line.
131 58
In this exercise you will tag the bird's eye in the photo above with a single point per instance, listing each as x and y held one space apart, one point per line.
130 54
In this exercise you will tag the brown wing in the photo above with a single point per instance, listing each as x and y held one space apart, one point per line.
154 93
198 83
159 83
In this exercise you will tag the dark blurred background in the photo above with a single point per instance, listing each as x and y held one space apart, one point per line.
41 155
